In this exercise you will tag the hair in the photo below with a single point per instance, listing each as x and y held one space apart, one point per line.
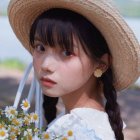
56 27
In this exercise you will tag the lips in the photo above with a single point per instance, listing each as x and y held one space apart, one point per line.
47 79
47 82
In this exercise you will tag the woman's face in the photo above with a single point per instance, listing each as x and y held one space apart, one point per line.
60 72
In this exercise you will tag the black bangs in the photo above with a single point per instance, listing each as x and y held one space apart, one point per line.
59 27
53 31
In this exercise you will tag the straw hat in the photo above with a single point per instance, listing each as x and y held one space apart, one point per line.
122 43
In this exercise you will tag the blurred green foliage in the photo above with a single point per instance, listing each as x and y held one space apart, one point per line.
13 64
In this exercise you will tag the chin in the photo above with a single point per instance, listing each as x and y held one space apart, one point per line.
50 94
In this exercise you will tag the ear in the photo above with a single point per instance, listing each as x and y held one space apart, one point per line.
105 62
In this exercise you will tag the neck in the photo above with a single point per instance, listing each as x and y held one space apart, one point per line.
83 98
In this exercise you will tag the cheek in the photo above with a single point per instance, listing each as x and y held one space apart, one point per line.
75 74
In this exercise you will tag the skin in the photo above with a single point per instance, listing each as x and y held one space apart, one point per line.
73 74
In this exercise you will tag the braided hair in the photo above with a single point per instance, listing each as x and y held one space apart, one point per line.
66 24
112 107
49 105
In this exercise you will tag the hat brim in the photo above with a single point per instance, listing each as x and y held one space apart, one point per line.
122 43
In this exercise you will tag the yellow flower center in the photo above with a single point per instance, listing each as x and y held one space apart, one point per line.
2 133
46 136
13 112
64 138
12 137
25 104
35 116
12 129
17 131
70 133
15 122
26 122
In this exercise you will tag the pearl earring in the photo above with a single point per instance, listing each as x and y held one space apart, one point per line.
98 73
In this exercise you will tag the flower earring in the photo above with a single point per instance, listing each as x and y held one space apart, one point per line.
98 73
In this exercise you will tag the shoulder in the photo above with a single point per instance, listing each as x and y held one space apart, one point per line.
97 120
71 123
85 124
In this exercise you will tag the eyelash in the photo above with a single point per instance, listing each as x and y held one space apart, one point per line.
40 48
67 53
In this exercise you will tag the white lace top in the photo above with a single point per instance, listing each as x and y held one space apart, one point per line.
85 123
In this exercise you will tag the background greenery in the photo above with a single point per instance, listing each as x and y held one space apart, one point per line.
12 64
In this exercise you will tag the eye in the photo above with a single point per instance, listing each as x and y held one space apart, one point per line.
67 53
39 48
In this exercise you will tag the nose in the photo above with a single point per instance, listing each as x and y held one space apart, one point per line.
49 64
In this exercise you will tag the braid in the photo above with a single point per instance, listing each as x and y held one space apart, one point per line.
112 107
49 106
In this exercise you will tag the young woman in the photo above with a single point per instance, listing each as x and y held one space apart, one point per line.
83 52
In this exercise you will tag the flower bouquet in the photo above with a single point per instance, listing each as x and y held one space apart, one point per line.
20 125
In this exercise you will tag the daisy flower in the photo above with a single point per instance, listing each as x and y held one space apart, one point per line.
28 134
3 134
25 105
17 122
68 135
36 130
34 117
27 120
16 125
64 138
45 136
13 137
10 112
14 130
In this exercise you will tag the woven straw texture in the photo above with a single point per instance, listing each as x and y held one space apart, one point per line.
122 43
